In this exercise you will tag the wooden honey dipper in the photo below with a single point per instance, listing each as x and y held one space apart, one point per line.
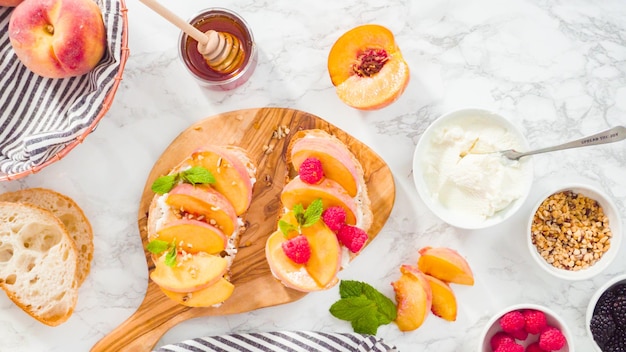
222 51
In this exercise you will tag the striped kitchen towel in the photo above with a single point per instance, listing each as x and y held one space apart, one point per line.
283 341
39 116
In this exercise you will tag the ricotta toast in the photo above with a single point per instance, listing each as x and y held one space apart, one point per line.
195 221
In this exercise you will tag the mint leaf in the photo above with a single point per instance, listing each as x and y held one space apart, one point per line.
157 246
366 325
198 174
363 306
194 175
313 213
170 257
286 227
298 212
350 288
360 311
164 184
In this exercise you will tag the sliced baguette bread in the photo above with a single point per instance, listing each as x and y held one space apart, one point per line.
38 262
70 214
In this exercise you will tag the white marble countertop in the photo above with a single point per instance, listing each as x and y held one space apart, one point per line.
556 68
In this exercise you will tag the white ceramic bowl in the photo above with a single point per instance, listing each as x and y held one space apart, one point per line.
425 155
610 210
620 279
493 326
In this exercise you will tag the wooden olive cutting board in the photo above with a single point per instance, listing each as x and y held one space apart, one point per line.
255 287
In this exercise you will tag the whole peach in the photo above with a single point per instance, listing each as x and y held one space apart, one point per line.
10 3
58 38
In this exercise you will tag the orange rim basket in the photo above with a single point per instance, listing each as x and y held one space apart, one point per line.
108 100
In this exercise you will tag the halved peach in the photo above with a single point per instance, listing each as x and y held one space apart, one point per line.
325 260
444 301
204 201
413 298
292 275
367 67
206 297
189 274
193 236
329 191
230 169
445 264
337 161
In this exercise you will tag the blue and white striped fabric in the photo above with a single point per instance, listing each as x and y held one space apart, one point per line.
39 116
283 341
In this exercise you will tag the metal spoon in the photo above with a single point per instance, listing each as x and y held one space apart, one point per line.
611 135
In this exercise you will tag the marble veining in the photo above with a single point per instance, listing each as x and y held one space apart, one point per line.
557 69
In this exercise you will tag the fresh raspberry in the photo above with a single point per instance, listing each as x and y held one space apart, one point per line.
520 334
311 171
512 321
534 347
334 218
551 339
352 237
535 321
297 249
509 347
499 338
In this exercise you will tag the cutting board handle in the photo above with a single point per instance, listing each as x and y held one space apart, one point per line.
142 330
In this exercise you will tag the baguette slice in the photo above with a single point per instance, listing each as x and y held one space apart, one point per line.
70 214
38 262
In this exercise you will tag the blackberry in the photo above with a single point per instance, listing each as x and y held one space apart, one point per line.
619 311
605 302
602 328
617 343
619 290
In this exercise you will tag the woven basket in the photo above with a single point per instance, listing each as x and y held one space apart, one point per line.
53 145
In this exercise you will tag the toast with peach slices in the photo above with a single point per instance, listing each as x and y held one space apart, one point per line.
194 223
327 213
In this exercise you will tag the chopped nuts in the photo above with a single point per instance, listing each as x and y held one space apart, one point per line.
571 231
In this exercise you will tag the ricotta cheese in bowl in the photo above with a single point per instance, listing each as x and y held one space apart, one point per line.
460 176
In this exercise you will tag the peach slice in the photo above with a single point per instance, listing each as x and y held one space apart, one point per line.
444 301
206 202
292 275
325 260
230 169
337 161
189 274
367 67
193 236
206 297
445 264
329 191
413 298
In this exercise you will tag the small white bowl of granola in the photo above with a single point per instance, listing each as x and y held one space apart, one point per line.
574 231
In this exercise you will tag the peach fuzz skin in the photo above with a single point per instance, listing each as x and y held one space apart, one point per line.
10 3
58 38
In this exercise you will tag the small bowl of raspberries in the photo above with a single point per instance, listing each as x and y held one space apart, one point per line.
606 316
526 328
